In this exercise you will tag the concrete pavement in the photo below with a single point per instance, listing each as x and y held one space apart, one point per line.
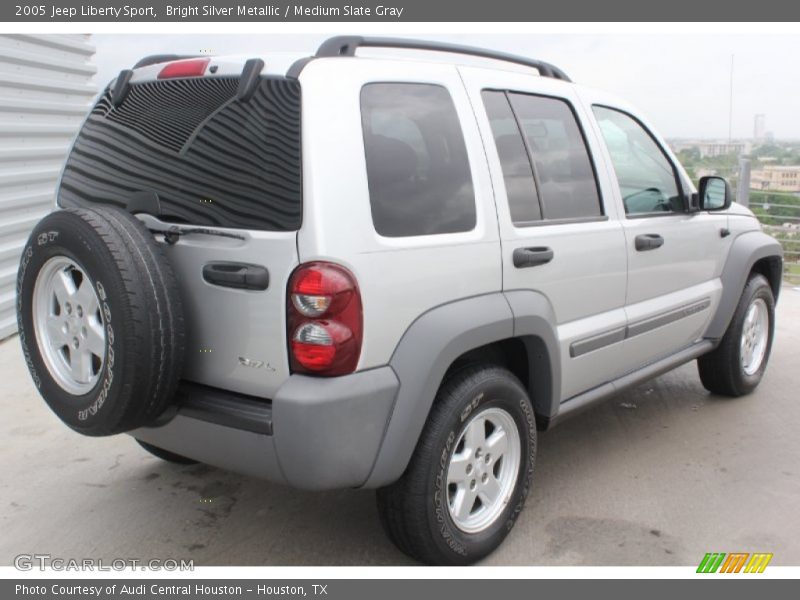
657 476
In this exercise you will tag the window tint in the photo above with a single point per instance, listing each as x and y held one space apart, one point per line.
523 200
647 179
419 176
563 169
210 160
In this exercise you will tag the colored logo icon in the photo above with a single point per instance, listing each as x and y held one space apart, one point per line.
734 562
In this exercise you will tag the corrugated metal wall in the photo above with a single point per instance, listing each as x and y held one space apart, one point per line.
46 88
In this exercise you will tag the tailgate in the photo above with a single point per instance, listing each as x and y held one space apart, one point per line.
235 338
223 170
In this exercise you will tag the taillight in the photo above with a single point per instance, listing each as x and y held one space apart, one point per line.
324 320
192 67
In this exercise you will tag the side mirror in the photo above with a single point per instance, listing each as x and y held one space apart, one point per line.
713 193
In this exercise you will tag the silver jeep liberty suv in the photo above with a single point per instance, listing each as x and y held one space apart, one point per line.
383 272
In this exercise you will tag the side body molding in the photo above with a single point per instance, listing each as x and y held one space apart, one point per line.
745 251
429 346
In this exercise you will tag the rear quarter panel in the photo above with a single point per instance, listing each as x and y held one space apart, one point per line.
400 278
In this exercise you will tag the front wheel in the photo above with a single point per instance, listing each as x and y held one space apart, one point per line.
737 365
470 473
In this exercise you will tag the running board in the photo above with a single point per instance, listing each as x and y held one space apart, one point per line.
578 403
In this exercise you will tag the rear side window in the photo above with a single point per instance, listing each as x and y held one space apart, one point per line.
559 181
417 168
209 158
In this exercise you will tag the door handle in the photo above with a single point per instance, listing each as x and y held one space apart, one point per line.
242 276
648 241
531 257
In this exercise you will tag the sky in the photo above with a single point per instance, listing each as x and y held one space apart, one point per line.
682 82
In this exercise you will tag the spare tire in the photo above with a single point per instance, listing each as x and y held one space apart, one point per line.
100 320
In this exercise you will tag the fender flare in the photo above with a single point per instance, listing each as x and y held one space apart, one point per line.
747 249
427 349
535 325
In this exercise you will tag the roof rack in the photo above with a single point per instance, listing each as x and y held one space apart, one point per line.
346 45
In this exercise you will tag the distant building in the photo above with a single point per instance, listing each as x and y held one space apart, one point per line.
711 149
704 172
776 178
760 129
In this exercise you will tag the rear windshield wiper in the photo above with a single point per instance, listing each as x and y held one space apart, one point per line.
174 233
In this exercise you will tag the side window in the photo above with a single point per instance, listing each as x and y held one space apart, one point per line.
417 168
523 199
564 170
647 179
546 165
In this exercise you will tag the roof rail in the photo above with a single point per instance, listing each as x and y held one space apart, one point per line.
346 45
155 59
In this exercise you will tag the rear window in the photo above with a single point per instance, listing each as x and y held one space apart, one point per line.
419 177
211 159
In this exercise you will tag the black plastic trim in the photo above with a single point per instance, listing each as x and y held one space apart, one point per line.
243 276
534 256
346 45
121 87
248 82
619 334
565 221
298 66
595 342
229 409
646 325
577 404
648 241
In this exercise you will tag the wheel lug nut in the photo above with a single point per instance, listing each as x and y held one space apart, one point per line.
488 458
83 332
485 478
75 342
478 453
68 306
472 484
469 469
80 311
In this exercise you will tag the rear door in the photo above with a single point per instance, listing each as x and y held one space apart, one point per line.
224 175
559 230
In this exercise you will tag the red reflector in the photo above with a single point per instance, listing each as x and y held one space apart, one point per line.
322 280
312 356
192 67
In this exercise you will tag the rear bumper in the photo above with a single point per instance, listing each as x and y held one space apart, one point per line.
317 433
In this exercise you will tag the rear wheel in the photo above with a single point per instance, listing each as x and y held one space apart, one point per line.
737 365
470 473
